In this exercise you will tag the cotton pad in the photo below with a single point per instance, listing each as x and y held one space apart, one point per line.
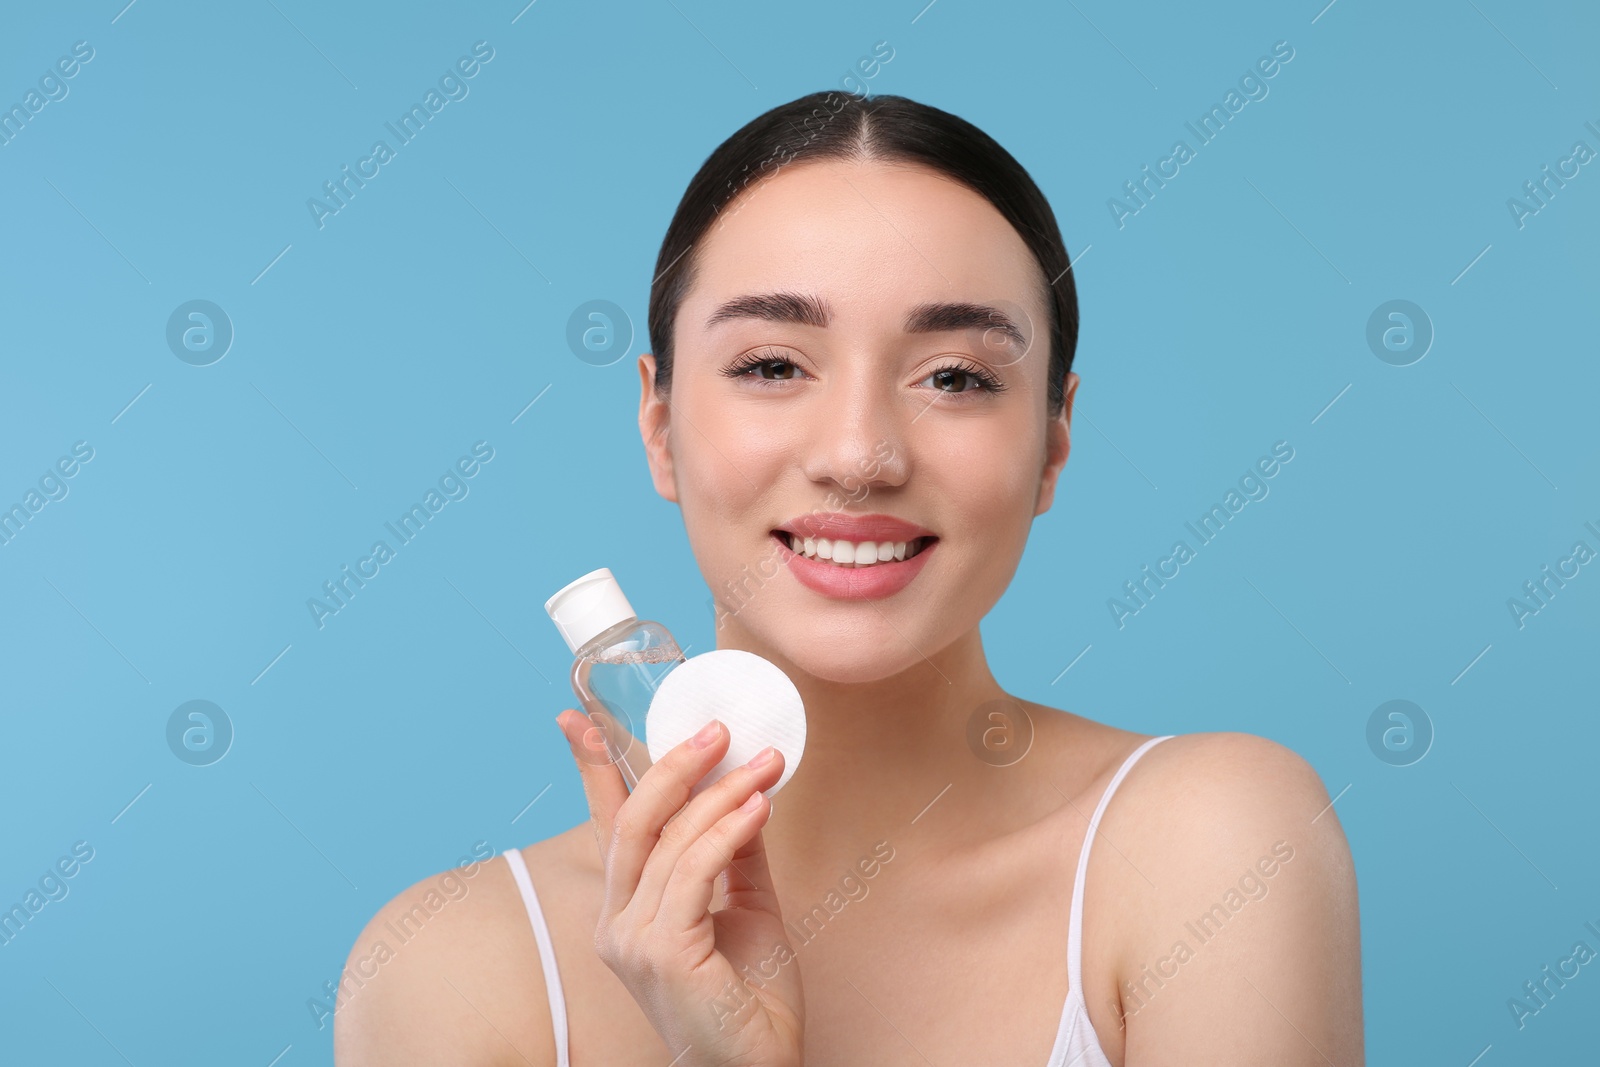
754 699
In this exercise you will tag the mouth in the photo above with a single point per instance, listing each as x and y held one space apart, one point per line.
853 555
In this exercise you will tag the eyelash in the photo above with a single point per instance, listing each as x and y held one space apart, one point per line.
987 383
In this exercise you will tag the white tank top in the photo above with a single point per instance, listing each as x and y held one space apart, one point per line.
1076 1044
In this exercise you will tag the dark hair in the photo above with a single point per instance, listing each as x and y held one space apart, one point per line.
843 126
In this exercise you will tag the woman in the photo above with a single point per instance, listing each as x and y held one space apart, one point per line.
863 325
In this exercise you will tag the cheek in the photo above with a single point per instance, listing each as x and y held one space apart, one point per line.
991 475
722 462
731 475
714 444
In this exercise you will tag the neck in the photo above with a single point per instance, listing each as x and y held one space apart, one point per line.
877 753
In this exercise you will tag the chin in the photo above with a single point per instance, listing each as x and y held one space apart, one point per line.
847 659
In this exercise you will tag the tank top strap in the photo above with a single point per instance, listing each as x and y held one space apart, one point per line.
1075 924
547 955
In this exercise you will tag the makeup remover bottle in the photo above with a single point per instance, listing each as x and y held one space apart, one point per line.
621 660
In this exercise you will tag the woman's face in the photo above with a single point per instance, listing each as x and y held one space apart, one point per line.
844 410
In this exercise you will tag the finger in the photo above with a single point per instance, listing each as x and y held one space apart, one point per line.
695 821
603 785
747 882
732 843
636 824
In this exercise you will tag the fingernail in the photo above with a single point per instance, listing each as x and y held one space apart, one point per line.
707 734
753 803
762 758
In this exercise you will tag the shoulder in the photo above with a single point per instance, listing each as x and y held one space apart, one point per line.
1198 806
445 972
1241 777
1237 876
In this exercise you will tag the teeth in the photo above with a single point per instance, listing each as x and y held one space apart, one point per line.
850 553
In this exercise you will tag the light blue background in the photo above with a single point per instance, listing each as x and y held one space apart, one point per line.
426 315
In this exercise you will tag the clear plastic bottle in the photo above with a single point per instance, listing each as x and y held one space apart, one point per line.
620 662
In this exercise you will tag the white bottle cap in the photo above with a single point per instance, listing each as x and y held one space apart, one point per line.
588 606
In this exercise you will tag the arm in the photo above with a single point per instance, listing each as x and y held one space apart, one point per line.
429 981
1246 949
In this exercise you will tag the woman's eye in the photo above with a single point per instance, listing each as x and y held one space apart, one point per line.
778 365
942 379
962 380
955 379
763 366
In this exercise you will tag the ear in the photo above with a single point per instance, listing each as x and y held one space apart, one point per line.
1058 444
654 427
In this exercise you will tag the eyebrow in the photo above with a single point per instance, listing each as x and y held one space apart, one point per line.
807 310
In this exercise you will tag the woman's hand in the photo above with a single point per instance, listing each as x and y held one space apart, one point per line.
721 988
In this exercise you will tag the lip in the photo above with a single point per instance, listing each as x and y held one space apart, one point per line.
872 582
836 525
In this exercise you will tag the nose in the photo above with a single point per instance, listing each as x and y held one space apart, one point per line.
859 438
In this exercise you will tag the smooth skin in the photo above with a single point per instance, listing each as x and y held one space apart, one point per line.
954 950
